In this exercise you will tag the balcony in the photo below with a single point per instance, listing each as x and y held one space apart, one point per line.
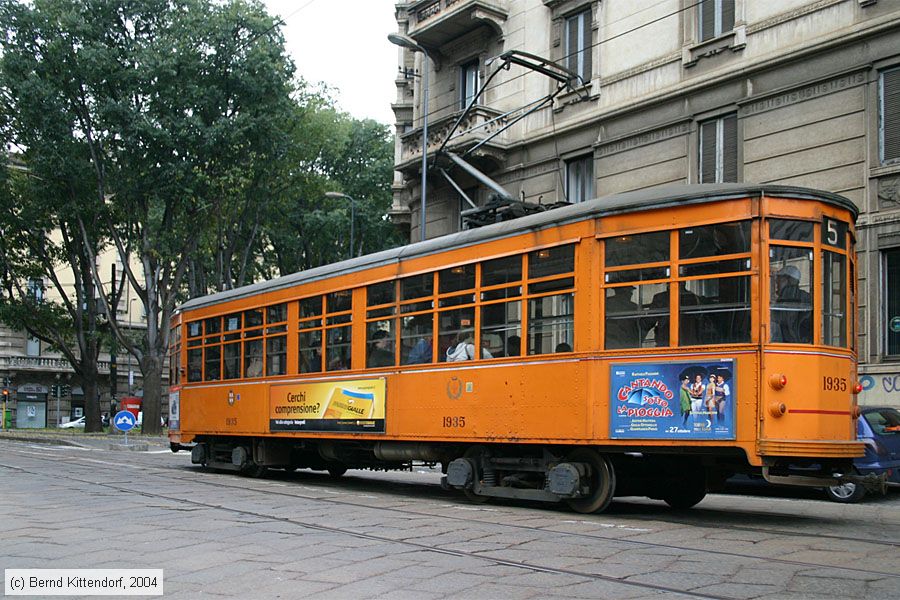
480 123
433 23
43 364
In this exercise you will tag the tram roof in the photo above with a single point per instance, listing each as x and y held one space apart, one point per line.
636 201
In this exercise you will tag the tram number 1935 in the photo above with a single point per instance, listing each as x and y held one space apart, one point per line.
457 422
834 384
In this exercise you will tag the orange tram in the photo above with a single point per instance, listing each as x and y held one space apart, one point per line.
648 343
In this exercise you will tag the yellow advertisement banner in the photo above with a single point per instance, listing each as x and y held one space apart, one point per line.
352 405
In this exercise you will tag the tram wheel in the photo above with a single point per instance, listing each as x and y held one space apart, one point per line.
686 493
336 470
602 481
474 455
254 471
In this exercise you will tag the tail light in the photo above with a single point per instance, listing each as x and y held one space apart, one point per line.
777 381
857 388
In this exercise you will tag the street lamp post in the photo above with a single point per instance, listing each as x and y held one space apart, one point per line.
352 216
407 42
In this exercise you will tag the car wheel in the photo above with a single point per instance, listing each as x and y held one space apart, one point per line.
846 493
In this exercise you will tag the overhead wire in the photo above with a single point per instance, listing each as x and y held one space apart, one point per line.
433 112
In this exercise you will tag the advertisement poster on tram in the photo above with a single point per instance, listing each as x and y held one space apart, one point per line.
677 400
351 406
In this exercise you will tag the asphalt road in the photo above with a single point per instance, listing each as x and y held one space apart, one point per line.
398 535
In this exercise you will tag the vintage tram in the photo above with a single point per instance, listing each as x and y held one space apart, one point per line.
646 343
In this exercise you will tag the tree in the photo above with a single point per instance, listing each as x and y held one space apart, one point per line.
172 100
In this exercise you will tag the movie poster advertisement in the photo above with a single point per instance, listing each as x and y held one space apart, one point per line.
340 406
675 400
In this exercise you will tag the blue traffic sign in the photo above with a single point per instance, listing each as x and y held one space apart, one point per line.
124 421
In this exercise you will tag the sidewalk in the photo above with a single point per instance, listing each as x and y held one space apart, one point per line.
101 441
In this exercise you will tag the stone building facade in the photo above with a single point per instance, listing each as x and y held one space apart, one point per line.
797 92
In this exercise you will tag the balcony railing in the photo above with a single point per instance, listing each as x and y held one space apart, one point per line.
43 363
480 123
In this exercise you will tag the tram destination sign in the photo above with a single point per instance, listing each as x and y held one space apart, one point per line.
673 400
353 406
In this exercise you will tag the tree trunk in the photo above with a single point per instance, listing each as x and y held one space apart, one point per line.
90 386
151 369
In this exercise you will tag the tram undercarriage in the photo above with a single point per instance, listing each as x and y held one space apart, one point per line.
585 478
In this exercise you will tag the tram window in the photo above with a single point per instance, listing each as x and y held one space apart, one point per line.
311 307
456 327
653 299
253 358
195 364
501 271
381 338
834 295
276 355
456 279
551 261
417 286
793 231
232 361
253 318
194 329
715 268
339 301
637 249
311 351
416 335
211 327
551 324
551 286
212 359
714 311
714 240
501 327
277 313
635 275
791 307
337 348
232 323
378 294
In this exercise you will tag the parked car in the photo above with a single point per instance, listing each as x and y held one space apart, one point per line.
74 424
879 428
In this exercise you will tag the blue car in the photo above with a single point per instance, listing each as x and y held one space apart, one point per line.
879 428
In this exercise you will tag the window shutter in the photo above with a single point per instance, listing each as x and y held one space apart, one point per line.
572 43
708 152
587 51
727 15
729 149
707 10
890 116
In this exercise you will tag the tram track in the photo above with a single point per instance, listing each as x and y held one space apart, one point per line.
166 471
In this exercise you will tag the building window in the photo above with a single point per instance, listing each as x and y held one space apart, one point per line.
577 46
36 290
889 116
580 179
718 150
468 83
892 299
716 18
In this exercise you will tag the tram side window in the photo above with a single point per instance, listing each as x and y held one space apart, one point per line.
212 351
501 310
253 344
417 322
276 339
834 295
791 305
381 334
175 355
551 314
714 304
338 330
231 351
636 305
310 336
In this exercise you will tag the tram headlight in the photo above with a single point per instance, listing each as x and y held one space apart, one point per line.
777 381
